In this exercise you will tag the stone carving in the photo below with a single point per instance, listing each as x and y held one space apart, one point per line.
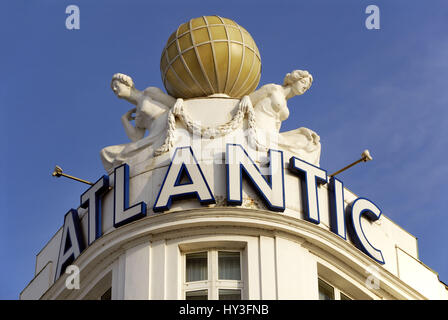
270 106
270 101
198 88
150 114
244 109
157 113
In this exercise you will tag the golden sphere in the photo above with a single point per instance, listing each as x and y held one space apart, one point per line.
210 55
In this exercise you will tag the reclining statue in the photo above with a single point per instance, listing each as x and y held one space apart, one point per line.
150 114
270 107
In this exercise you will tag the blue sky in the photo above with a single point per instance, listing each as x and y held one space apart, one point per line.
384 90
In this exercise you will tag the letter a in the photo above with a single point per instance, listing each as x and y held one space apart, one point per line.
373 20
72 243
72 21
184 179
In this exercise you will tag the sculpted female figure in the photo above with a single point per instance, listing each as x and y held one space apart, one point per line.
270 101
270 107
150 114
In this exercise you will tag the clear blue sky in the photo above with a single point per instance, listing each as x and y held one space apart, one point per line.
385 90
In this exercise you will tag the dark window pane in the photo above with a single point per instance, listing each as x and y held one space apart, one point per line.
196 266
196 295
229 265
326 292
229 294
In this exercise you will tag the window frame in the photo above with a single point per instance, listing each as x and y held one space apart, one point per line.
213 283
336 291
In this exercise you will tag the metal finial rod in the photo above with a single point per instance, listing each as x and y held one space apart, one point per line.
58 173
365 156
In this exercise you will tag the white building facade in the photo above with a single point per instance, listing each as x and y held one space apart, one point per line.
192 238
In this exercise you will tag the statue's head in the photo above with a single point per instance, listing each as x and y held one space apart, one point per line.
299 81
121 85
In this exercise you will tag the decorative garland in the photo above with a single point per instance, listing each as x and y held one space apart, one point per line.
177 111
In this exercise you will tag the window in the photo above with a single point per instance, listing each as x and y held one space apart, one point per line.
229 294
213 275
343 283
196 295
101 289
196 267
328 292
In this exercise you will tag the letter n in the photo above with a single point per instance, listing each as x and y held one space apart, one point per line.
271 188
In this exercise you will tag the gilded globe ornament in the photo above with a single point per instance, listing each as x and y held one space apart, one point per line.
210 55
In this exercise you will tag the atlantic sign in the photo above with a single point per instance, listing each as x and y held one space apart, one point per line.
185 179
